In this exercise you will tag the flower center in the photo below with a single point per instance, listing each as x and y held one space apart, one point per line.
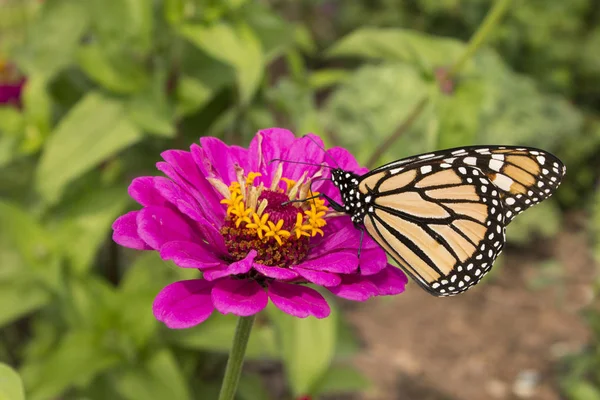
268 220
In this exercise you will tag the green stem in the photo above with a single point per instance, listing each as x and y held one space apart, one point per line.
236 358
488 25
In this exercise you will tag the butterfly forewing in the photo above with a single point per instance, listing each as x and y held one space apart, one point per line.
442 215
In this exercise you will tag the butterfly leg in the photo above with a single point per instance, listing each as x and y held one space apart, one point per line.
332 203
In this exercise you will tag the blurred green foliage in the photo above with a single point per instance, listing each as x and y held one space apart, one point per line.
112 83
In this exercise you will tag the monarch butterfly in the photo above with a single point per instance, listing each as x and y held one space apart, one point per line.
442 216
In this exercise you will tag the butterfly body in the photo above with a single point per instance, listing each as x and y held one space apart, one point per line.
442 216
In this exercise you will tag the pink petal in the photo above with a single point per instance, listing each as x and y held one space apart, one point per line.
125 232
307 150
267 145
297 300
389 281
190 255
355 287
372 261
276 272
238 267
218 155
143 191
318 277
241 297
179 198
184 304
158 225
341 262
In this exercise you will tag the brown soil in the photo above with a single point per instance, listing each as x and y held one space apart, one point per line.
501 340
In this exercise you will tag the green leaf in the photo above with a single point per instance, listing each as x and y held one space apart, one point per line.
38 113
95 129
542 220
307 347
23 236
84 222
192 94
390 44
174 11
370 106
12 125
341 379
78 358
325 78
237 47
53 37
251 387
582 390
126 23
150 109
19 298
115 70
273 31
11 386
458 115
158 379
216 334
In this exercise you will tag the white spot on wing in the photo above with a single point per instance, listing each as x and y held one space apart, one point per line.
496 165
503 182
470 161
426 169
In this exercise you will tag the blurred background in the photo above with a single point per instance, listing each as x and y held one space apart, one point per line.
91 92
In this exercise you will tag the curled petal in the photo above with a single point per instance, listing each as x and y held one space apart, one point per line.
218 158
238 267
241 297
125 232
318 277
344 262
297 300
267 145
158 225
355 287
184 304
190 255
143 191
276 272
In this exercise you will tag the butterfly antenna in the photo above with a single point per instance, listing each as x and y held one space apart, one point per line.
324 151
299 162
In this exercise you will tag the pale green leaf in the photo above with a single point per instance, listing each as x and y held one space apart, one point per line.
53 37
307 347
78 358
216 334
38 113
582 390
128 23
114 70
11 386
373 103
19 298
391 44
192 94
150 108
95 129
84 223
236 46
158 379
251 387
342 379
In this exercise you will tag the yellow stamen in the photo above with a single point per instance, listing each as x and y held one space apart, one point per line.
276 232
251 177
260 224
289 184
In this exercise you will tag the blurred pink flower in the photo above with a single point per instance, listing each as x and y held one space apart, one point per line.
11 85
224 210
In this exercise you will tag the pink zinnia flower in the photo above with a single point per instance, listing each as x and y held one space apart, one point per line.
225 211
11 85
